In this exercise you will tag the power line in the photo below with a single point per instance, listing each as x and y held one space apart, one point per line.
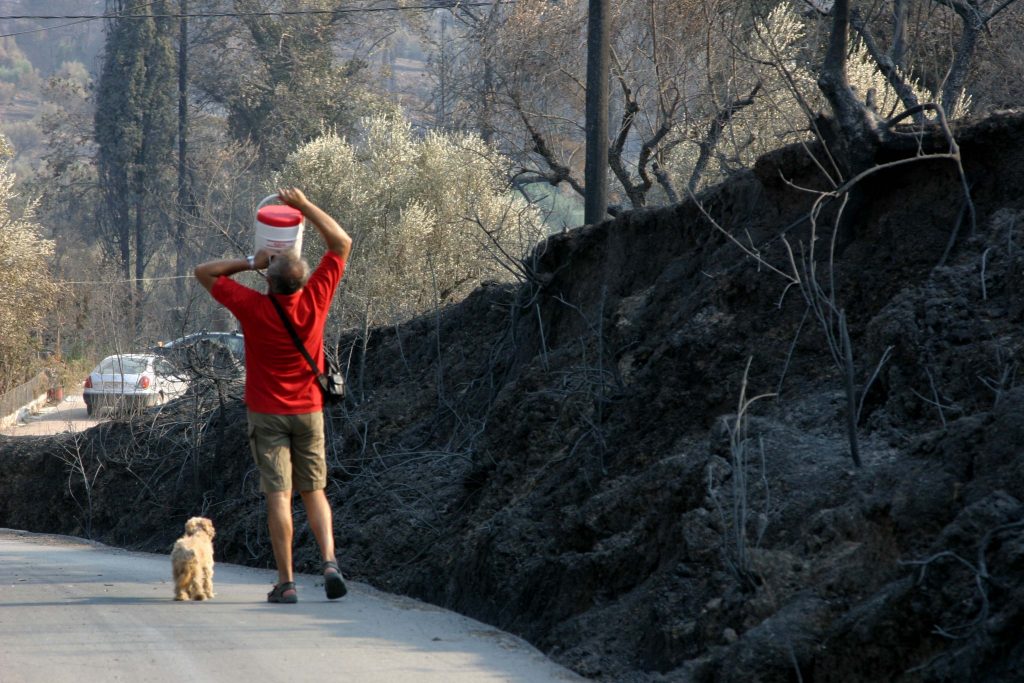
279 13
72 23
119 282
83 18
44 28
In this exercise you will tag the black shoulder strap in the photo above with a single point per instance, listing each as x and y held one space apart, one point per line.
294 335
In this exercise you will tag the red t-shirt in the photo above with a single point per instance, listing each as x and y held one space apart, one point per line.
278 379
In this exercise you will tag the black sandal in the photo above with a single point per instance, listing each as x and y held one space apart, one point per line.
284 592
334 584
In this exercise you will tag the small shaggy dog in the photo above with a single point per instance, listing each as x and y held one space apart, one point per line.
192 561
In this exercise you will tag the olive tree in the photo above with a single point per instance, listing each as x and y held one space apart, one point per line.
776 61
29 293
431 216
701 88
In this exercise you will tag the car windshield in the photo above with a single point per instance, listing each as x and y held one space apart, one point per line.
235 344
162 367
122 365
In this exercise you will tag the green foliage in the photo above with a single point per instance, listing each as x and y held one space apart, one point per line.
135 127
865 76
14 66
281 82
134 97
65 124
776 56
560 210
16 72
46 47
23 135
28 293
789 90
772 57
431 217
74 72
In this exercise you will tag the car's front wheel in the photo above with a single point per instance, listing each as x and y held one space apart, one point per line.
89 409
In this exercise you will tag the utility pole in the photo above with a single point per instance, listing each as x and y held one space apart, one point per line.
441 113
181 227
596 169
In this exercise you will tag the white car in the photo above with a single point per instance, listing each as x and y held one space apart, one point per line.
131 381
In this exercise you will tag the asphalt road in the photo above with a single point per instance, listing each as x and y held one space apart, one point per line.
81 612
67 416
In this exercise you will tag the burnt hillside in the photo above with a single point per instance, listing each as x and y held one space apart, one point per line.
568 459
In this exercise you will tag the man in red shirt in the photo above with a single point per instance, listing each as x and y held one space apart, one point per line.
284 400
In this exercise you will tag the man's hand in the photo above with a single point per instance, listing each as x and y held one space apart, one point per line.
293 197
334 236
262 259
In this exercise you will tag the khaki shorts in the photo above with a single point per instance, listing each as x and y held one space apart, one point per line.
289 451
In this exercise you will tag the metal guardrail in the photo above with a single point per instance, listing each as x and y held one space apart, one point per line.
20 396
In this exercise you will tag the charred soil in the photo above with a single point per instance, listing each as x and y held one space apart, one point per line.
572 459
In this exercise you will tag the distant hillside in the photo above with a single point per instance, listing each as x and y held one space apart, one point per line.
21 108
48 43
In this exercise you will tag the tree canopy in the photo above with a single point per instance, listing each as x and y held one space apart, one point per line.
29 293
699 90
431 216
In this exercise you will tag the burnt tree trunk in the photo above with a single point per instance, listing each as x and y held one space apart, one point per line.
854 132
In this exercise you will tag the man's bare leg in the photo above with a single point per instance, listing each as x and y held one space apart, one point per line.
279 521
318 511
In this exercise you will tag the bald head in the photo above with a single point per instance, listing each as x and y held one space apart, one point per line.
287 273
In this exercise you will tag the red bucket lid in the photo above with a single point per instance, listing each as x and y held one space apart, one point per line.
279 216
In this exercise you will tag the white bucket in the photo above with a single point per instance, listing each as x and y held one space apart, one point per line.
278 227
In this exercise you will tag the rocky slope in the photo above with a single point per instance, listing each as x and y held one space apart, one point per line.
639 457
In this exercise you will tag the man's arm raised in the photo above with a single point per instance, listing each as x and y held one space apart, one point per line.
207 273
335 237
